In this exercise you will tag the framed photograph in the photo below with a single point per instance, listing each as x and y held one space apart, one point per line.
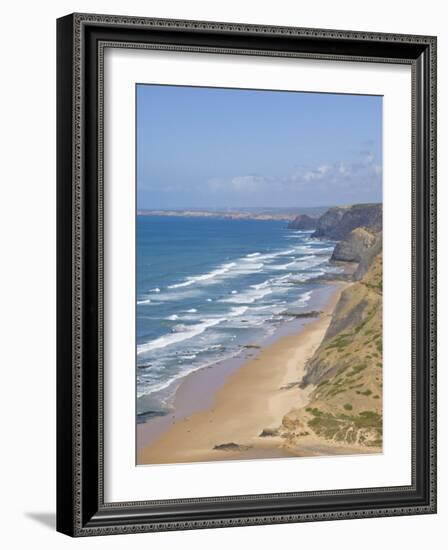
246 274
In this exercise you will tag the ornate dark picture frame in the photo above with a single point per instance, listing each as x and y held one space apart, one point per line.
81 509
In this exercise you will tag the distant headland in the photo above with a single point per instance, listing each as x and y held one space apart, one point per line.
261 214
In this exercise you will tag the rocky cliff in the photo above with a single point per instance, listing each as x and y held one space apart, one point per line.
345 405
303 222
345 373
353 248
361 246
338 222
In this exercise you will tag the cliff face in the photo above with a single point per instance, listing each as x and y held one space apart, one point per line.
338 222
346 403
329 221
303 222
353 248
369 256
360 246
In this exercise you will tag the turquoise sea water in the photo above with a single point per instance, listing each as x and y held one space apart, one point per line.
208 286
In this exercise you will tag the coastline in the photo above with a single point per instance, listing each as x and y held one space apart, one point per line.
220 411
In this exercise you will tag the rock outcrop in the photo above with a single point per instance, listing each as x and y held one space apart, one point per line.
338 222
361 246
368 257
353 248
303 222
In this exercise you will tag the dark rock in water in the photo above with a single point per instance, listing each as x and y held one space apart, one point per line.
143 417
301 314
346 275
230 447
303 222
338 222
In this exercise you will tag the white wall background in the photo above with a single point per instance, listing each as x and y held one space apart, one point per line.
28 300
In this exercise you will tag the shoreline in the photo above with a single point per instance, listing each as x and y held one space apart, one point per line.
221 410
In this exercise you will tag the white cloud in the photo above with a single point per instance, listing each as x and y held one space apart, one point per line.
359 179
317 174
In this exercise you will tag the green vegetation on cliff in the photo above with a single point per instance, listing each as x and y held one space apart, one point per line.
345 405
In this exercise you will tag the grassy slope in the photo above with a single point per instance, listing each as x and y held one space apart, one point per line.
346 403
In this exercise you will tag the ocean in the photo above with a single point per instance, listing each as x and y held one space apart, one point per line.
207 287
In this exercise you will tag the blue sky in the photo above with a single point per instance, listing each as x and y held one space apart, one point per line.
228 148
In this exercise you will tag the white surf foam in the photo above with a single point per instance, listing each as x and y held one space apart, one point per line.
205 277
237 311
283 266
248 297
305 297
176 337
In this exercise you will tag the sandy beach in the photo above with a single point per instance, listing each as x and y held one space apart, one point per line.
222 417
